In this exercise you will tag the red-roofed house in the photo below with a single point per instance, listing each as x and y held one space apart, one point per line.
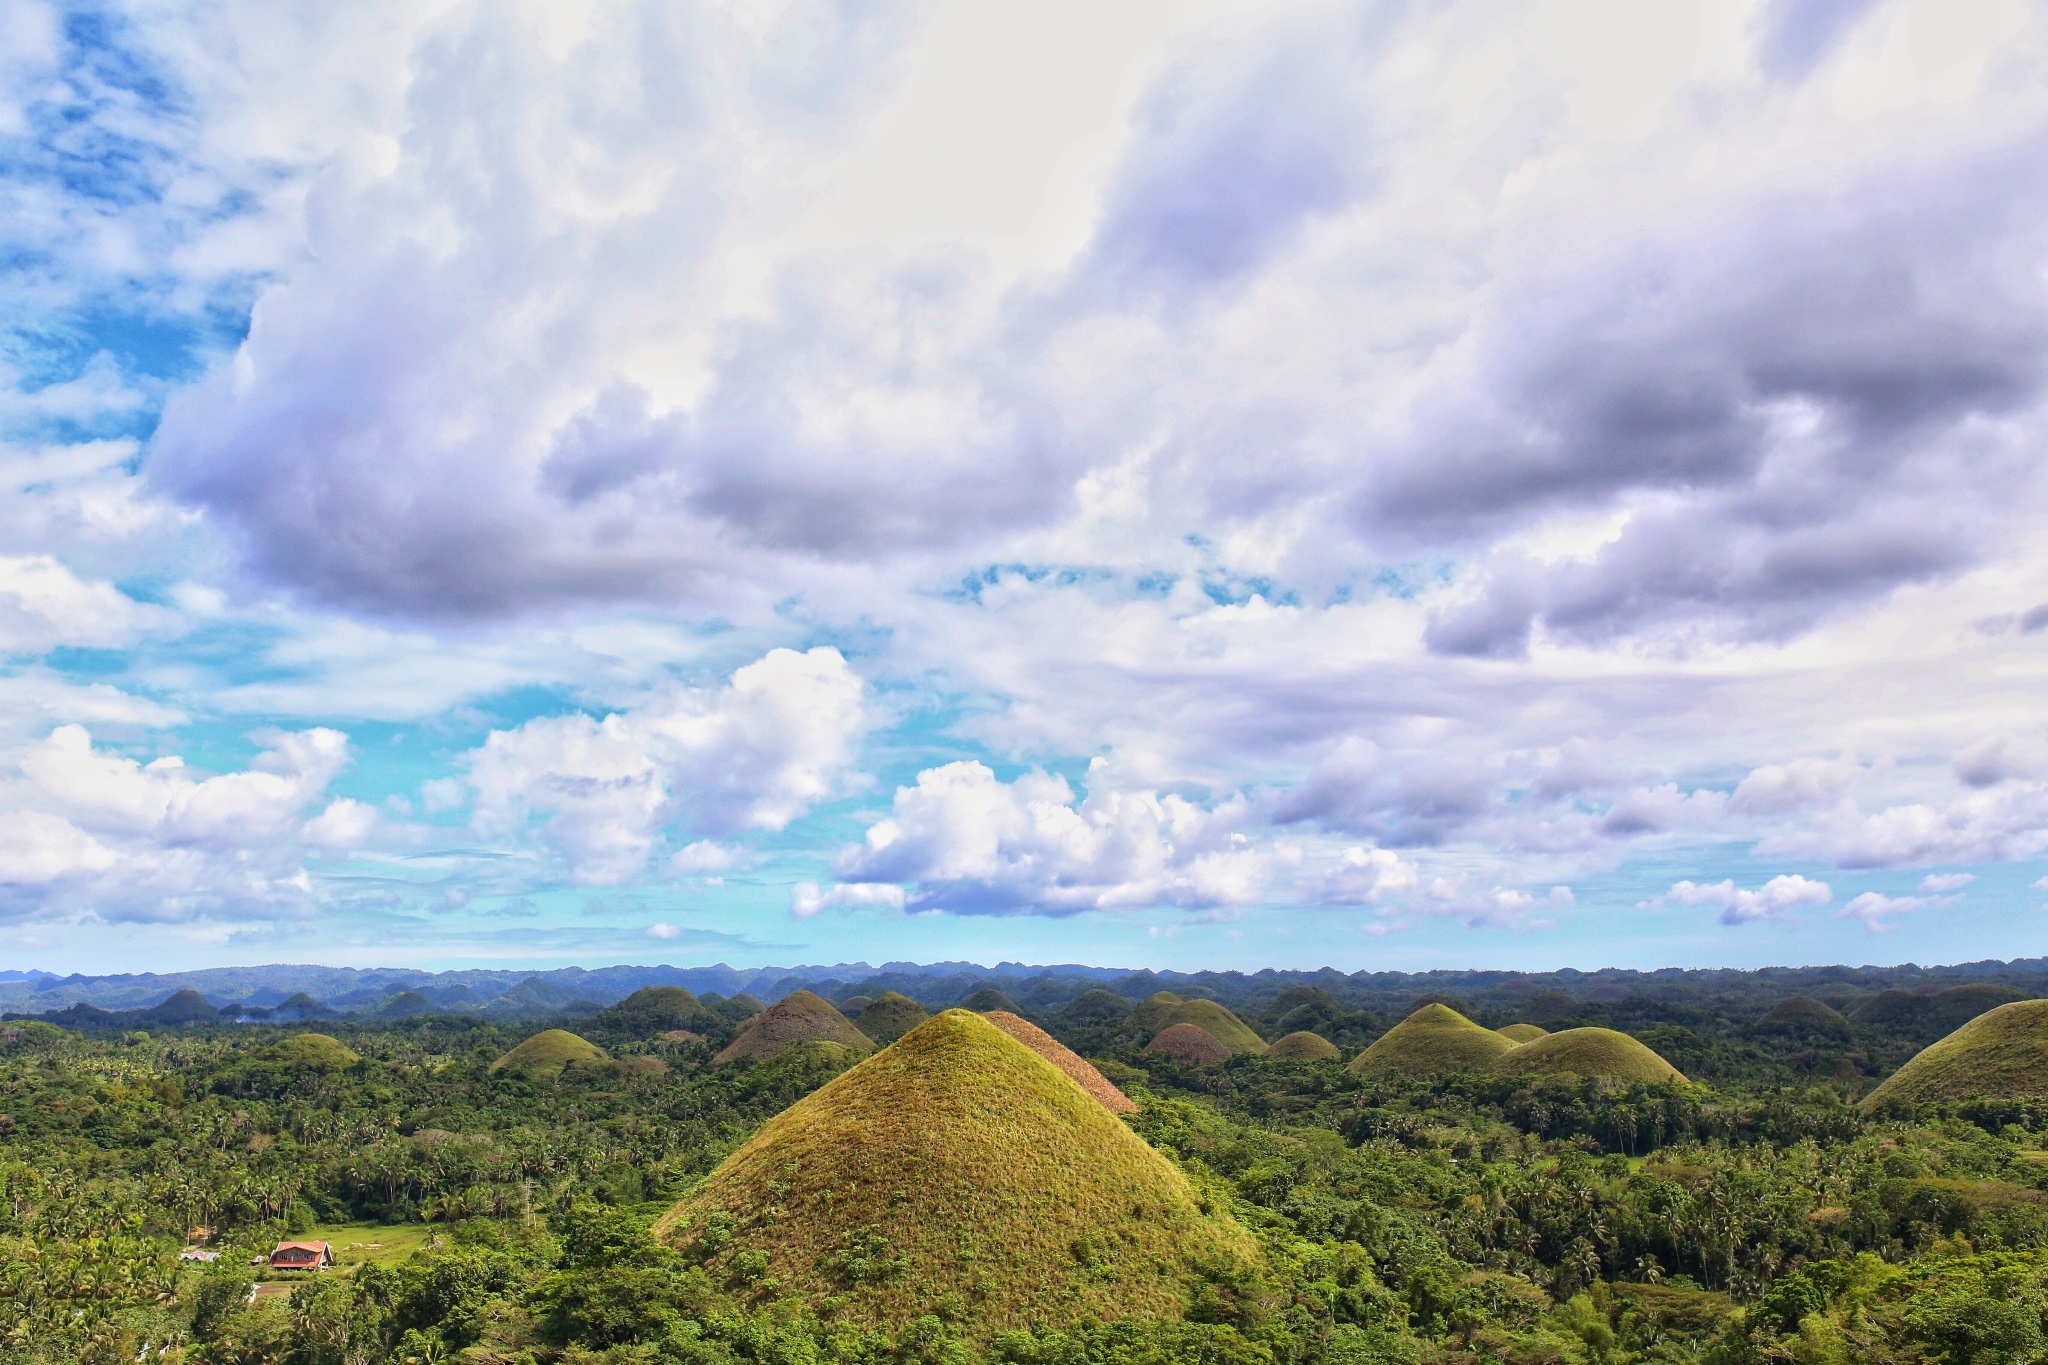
301 1256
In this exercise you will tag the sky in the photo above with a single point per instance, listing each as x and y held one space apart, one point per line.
1187 484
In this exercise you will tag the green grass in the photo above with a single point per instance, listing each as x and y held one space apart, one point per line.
1164 1010
890 1017
2003 1053
1304 1047
798 1017
987 1000
371 1244
1587 1052
1436 1040
545 1054
956 1163
1522 1033
311 1052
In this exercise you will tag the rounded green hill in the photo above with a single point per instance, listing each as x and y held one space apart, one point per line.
2003 1053
310 1052
544 1055
1190 1043
987 1000
1436 1040
1522 1033
1304 1047
890 1017
1802 1014
854 1004
797 1017
958 1162
657 1009
1165 1009
1587 1052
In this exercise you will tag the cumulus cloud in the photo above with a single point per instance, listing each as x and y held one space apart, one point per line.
751 755
1364 876
970 843
807 899
1999 824
1875 908
91 830
1777 898
44 605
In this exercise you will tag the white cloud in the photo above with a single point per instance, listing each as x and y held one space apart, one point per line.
2000 823
752 755
661 929
344 825
1942 883
806 899
975 845
1363 876
44 605
1875 909
1775 899
1802 784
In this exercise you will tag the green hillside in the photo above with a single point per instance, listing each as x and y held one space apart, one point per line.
1165 1009
1436 1040
987 1000
657 1009
1587 1052
957 1166
1522 1033
795 1018
890 1017
1304 1047
311 1052
2002 1054
1800 1014
545 1054
1078 1068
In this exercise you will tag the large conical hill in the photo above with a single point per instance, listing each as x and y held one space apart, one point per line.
1165 1009
2003 1053
1190 1043
1602 1052
1065 1058
545 1054
658 1009
957 1162
890 1017
1436 1040
797 1017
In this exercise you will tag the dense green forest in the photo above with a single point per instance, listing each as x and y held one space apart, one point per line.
491 1212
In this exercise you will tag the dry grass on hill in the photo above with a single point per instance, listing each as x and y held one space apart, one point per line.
1165 1009
1065 1058
957 1162
795 1018
1587 1052
1190 1043
2002 1054
1436 1040
889 1017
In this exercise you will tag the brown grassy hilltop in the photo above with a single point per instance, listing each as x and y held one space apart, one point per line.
956 1162
796 1018
1065 1058
1190 1043
1165 1009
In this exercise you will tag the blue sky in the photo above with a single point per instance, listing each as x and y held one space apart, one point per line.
1193 485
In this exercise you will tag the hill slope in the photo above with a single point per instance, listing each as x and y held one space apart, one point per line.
1065 1058
1436 1040
546 1053
1165 1009
1190 1043
2003 1053
1800 1014
1587 1052
958 1162
1304 1047
1522 1033
793 1019
889 1017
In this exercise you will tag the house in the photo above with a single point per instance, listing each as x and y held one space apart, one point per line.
301 1256
195 1254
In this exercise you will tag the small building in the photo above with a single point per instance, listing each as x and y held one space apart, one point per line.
195 1254
301 1256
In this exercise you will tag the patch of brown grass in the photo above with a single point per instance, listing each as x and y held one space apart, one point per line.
1065 1058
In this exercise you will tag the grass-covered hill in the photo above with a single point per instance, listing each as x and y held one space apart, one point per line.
987 1000
889 1017
1304 1046
1079 1068
1436 1040
1586 1052
2001 1055
546 1053
1522 1033
1801 1014
311 1052
1164 1009
957 1167
1190 1043
797 1017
